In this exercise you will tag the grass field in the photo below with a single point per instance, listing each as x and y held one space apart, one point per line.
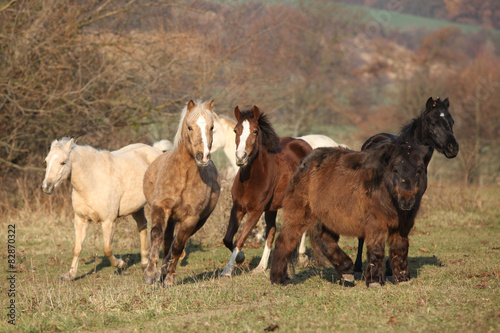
454 261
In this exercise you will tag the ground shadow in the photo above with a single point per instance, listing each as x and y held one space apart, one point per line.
215 274
329 274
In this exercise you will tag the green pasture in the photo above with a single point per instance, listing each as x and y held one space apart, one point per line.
454 260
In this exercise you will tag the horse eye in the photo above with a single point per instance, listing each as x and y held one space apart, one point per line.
255 131
190 128
63 162
234 131
395 171
212 128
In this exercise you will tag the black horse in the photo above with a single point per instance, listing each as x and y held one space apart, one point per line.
433 128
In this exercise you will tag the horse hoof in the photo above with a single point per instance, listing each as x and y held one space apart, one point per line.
374 285
66 278
348 278
183 255
121 264
258 270
303 261
240 257
144 266
358 275
147 279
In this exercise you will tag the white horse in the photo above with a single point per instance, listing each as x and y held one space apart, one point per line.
224 138
163 145
106 185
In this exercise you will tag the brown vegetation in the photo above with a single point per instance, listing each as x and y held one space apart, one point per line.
112 73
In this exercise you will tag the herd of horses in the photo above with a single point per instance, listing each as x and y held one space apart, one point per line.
326 188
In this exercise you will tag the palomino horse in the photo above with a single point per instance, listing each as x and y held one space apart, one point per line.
266 165
182 187
106 185
433 128
361 194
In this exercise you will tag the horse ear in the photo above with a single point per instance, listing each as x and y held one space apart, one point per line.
446 102
211 105
237 113
190 105
429 104
256 112
68 144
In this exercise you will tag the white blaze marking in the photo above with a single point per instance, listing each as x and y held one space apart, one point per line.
441 114
50 165
202 123
244 136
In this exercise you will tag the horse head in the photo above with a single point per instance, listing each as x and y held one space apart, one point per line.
197 128
438 123
58 164
247 134
406 174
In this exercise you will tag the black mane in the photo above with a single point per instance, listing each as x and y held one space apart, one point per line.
270 140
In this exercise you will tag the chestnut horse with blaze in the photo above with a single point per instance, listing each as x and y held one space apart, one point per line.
362 194
182 186
266 163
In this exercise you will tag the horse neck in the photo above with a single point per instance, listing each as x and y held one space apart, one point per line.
259 165
83 161
421 138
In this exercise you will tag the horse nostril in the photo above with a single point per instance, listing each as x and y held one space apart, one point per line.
199 156
450 147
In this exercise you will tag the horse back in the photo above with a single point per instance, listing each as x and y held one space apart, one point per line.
339 186
378 139
292 151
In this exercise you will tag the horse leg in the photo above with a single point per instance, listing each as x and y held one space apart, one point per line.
108 231
270 232
142 227
168 238
185 230
238 255
398 256
232 228
297 219
358 264
327 241
80 233
375 246
158 217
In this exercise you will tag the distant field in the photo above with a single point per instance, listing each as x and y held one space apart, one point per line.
454 260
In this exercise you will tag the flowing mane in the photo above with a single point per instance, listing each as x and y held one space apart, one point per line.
270 140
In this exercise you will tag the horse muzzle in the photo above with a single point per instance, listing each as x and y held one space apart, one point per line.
201 159
451 149
241 159
47 188
406 203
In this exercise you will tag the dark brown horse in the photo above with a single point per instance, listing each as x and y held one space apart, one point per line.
433 128
182 186
361 194
266 165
